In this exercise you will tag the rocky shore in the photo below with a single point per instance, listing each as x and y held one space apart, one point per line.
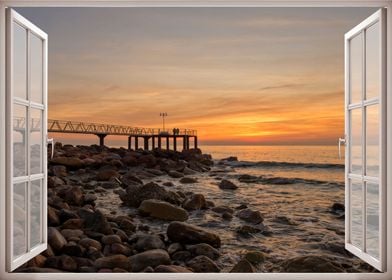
83 237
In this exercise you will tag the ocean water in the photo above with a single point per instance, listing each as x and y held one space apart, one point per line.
294 190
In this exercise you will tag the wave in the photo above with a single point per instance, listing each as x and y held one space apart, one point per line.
282 164
245 178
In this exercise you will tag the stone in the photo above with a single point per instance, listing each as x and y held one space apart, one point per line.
190 234
95 221
73 224
174 247
72 163
163 210
73 249
181 256
255 257
66 214
175 174
71 233
110 239
62 262
283 220
247 230
53 218
231 158
90 198
227 216
148 161
222 209
89 242
203 264
311 263
243 266
172 269
203 249
195 202
54 182
130 179
250 216
55 239
59 170
106 173
117 248
113 261
74 196
127 225
246 178
151 258
148 242
135 195
188 180
338 207
227 185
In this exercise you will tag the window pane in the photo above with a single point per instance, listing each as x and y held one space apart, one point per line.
373 78
372 221
372 140
19 140
35 214
356 141
356 69
20 62
36 59
356 213
19 219
36 141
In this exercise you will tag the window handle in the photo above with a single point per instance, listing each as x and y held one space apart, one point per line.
50 141
340 142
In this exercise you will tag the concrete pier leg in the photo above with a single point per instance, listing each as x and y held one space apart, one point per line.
101 139
167 143
129 143
146 143
175 143
136 143
159 142
187 142
153 142
184 143
195 140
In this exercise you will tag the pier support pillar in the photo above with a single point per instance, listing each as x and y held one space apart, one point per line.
195 140
159 142
184 143
175 143
101 139
153 142
167 143
146 143
187 142
136 143
129 143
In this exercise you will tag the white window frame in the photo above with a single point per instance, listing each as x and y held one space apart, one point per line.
191 3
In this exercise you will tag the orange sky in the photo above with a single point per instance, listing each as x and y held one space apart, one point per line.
238 76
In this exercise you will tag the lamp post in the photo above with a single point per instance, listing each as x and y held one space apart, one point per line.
163 115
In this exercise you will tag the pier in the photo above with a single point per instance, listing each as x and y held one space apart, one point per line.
150 138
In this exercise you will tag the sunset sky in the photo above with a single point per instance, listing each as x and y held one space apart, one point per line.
248 76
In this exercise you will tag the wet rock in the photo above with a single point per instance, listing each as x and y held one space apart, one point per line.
172 269
113 261
106 173
203 264
174 247
110 239
53 218
188 180
66 214
247 230
72 163
55 239
95 221
195 202
250 216
227 185
117 248
243 266
148 161
227 216
311 263
90 198
89 242
255 257
203 249
129 179
188 171
62 262
338 207
191 234
175 174
135 195
38 261
54 182
182 256
222 209
246 178
59 170
72 224
71 233
163 210
73 249
168 184
149 242
151 258
283 220
74 196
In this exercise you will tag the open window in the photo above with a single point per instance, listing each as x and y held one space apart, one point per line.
366 140
26 140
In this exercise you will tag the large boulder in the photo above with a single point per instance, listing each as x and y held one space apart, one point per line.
152 258
190 234
55 239
312 263
95 221
227 185
195 202
136 194
70 162
163 210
